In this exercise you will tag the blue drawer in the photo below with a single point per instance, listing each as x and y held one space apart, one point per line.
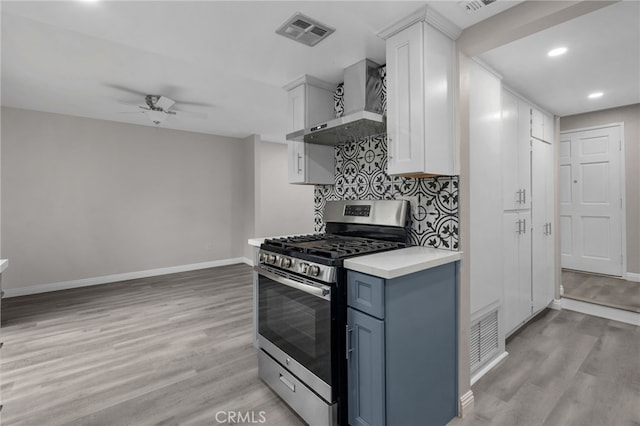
366 293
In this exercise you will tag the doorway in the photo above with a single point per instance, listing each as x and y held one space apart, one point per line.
592 200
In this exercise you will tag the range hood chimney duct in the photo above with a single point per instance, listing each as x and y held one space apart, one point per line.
363 109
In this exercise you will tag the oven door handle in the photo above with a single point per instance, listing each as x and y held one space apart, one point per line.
321 291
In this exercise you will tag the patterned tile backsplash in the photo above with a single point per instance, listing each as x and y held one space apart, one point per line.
360 173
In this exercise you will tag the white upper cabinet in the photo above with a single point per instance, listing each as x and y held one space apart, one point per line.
309 101
541 125
420 102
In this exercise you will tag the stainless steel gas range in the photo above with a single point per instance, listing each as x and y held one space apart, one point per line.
302 304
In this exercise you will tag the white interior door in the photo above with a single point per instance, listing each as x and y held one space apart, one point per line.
591 200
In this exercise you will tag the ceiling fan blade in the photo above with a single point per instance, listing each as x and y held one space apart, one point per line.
144 108
191 114
124 89
199 104
165 103
130 112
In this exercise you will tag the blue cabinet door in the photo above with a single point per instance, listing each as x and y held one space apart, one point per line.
366 369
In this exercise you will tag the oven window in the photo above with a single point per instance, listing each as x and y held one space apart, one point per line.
298 323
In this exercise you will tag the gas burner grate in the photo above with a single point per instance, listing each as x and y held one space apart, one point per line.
332 246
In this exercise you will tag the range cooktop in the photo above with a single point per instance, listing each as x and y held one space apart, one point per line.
331 246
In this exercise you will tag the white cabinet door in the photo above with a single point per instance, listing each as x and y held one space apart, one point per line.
537 124
405 93
516 159
524 155
516 254
311 163
548 128
296 154
543 285
296 105
541 125
420 114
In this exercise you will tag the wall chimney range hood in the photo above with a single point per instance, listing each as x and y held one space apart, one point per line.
363 109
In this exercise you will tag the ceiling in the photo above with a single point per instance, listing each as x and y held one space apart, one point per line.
603 56
77 57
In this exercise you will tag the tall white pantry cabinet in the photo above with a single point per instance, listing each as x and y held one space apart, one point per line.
527 165
519 231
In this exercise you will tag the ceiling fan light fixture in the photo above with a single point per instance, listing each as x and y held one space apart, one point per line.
156 117
595 95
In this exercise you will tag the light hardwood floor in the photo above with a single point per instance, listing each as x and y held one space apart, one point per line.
177 349
602 290
563 369
174 349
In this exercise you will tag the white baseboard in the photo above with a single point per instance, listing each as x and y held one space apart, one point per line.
247 261
556 304
632 276
484 370
85 282
601 311
466 403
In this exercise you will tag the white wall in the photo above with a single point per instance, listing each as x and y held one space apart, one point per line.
87 198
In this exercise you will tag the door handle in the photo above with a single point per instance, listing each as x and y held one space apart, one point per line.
519 192
348 343
299 165
519 229
524 196
524 226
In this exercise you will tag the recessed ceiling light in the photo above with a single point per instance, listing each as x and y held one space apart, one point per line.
557 51
595 95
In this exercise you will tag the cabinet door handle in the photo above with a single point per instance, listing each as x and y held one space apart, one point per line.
549 232
524 196
519 229
519 192
348 342
299 165
524 226
389 151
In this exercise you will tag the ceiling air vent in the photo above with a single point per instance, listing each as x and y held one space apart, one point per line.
474 5
305 30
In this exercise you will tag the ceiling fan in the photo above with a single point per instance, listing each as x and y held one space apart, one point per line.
158 107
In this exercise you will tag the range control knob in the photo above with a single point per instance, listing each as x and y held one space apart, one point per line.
314 270
304 268
263 258
271 259
285 262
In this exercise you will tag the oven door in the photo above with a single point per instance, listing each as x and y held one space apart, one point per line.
294 326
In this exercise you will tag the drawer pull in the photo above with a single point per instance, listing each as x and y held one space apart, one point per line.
287 383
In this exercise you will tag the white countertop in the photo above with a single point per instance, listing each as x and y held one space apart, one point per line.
396 263
3 264
256 241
